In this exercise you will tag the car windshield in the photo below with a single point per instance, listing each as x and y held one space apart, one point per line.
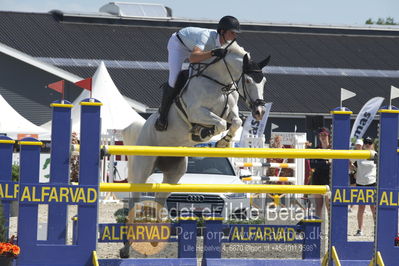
208 165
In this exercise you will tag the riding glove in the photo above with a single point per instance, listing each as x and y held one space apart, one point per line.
219 52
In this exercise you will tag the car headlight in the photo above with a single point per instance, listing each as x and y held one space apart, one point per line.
236 195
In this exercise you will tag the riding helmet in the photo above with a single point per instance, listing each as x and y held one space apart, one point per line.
229 23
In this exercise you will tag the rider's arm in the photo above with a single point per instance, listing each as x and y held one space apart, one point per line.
197 55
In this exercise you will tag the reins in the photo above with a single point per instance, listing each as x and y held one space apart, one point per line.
226 88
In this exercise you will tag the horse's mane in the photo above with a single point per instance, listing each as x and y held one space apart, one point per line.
235 48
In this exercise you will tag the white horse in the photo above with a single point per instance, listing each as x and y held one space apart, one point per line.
204 107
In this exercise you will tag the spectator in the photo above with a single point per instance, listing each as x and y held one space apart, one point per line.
353 167
365 177
308 169
277 142
321 174
74 177
285 172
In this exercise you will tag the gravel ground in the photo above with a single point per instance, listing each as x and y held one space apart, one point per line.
232 250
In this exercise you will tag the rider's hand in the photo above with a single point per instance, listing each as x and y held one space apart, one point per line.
219 52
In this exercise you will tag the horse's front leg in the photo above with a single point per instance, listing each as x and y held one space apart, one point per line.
236 123
203 116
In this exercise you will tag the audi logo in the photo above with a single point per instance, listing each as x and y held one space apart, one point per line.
195 198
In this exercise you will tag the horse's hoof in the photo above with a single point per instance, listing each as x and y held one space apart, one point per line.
222 144
160 126
206 132
124 252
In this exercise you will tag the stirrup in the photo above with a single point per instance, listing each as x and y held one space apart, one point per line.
160 126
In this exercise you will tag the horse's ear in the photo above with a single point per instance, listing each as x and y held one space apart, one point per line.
264 62
246 60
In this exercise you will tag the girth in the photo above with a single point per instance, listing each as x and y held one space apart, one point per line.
180 106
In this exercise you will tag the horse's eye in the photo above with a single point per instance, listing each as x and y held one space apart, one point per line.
247 80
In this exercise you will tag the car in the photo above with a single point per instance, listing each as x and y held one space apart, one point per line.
206 170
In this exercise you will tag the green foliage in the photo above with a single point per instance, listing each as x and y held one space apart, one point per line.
121 215
15 172
390 21
369 21
381 21
3 228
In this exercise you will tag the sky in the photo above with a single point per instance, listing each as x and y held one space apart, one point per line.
330 12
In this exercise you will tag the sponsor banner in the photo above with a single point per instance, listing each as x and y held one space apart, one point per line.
137 232
264 234
364 118
353 195
67 194
388 198
253 128
9 190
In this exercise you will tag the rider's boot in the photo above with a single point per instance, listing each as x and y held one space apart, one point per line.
168 95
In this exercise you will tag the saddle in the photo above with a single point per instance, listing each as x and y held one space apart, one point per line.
199 132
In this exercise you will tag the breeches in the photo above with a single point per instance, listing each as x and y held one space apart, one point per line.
177 53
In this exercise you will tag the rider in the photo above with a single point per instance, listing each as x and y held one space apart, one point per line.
196 45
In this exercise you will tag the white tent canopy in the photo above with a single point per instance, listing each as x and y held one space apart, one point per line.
12 123
116 113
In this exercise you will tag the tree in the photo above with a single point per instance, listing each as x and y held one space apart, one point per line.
381 21
369 21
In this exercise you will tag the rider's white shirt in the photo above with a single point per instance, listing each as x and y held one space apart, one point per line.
205 39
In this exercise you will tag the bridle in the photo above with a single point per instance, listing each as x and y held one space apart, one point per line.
229 88
226 89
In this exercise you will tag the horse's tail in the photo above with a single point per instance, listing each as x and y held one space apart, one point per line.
132 132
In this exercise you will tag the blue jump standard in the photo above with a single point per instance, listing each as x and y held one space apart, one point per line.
58 194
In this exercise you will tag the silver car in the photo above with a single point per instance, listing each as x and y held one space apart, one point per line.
206 170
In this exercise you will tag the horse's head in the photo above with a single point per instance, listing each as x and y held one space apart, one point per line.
252 85
237 68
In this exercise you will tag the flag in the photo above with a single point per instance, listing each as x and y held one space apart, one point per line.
254 128
365 116
85 83
394 92
57 86
345 94
274 126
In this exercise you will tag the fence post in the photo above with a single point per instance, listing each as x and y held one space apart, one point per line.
89 174
213 234
311 243
387 187
346 250
28 210
6 150
187 237
59 169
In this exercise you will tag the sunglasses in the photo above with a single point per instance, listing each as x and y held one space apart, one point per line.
368 143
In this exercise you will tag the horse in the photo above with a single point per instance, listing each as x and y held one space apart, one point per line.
205 105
